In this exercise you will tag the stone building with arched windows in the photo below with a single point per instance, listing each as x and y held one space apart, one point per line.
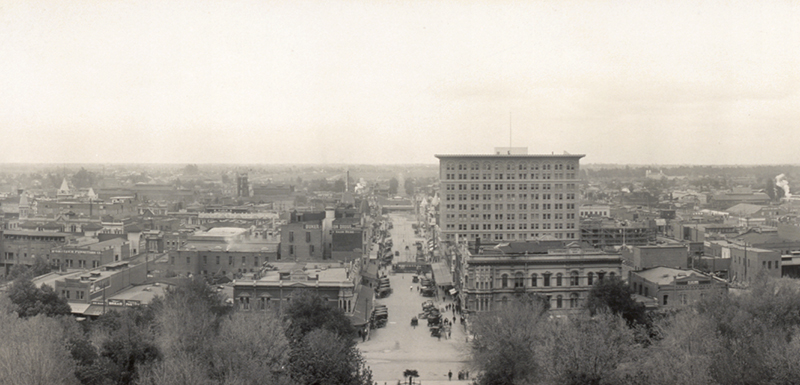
563 272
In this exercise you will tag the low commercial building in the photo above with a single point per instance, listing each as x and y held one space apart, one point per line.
673 288
339 284
92 292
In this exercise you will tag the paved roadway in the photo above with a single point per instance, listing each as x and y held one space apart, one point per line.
399 346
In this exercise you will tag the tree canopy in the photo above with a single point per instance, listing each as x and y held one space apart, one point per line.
308 311
614 294
30 301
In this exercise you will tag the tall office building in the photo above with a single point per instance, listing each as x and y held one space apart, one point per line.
509 196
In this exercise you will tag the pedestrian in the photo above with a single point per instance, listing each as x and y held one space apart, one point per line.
450 375
449 333
439 336
454 319
411 288
467 374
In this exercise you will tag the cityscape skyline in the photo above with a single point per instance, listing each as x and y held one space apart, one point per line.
245 82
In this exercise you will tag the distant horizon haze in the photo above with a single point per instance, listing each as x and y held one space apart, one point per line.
361 82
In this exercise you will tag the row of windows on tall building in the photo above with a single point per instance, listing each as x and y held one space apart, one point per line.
508 186
511 176
509 226
512 207
511 197
509 166
507 197
511 236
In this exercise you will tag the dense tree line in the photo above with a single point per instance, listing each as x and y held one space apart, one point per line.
752 337
189 336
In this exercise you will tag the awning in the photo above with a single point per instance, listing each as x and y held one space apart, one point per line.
362 308
78 308
453 291
94 310
441 274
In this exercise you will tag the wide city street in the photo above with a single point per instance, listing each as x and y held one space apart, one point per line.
399 346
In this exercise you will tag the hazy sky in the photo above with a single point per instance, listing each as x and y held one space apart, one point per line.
398 81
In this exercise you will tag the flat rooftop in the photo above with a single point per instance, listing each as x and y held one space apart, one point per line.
666 275
511 156
247 247
142 293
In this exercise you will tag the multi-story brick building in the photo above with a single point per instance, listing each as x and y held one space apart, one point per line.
338 284
91 255
747 262
509 196
22 247
562 271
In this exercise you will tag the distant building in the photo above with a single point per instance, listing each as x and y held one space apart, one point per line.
674 288
725 200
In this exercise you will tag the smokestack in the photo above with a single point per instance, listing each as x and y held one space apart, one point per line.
477 245
347 181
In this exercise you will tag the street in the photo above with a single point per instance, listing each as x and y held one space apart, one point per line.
399 346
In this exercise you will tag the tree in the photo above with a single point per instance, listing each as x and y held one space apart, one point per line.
251 349
339 185
308 311
33 352
770 188
323 357
506 341
128 346
682 353
612 293
411 374
83 179
410 186
584 350
393 184
191 169
30 301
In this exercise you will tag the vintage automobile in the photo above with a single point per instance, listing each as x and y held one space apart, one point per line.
384 292
414 321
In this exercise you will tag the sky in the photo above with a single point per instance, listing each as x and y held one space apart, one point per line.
396 82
